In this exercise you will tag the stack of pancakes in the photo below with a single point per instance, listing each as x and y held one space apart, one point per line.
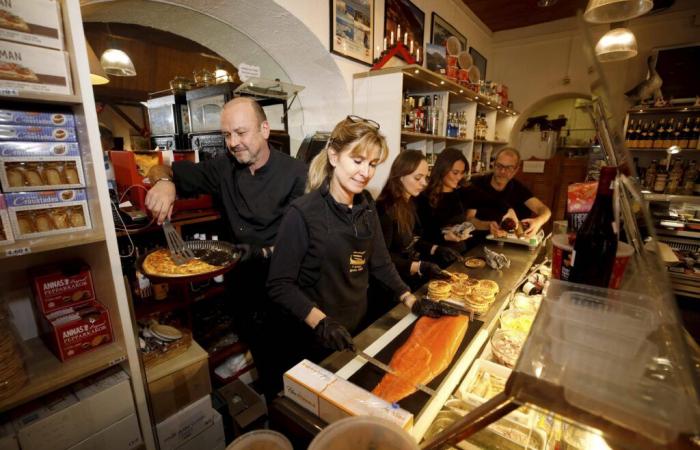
439 290
483 294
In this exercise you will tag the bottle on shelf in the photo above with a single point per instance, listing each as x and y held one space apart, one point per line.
435 117
685 134
677 134
661 178
689 178
419 114
596 241
650 176
642 139
638 135
668 137
694 135
660 134
651 135
629 136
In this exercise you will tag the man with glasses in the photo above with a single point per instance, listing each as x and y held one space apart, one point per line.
255 185
502 186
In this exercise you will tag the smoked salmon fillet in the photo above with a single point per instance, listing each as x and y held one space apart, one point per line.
426 353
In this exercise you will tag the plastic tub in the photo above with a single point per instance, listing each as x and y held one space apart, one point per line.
517 320
363 433
261 440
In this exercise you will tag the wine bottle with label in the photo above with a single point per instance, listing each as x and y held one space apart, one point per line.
594 252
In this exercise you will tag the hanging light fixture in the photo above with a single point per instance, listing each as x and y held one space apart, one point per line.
97 73
606 11
221 75
616 45
116 62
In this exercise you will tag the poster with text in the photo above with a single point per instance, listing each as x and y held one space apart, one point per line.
352 29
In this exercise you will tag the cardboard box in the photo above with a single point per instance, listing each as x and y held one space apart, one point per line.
37 133
106 397
47 213
8 437
178 382
211 438
41 118
187 423
29 69
57 286
70 332
332 398
35 22
123 435
244 404
6 235
36 166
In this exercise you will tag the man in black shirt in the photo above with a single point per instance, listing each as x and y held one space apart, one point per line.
502 186
255 185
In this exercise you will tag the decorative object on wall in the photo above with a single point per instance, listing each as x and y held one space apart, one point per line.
479 62
352 29
651 87
435 58
440 30
398 50
404 22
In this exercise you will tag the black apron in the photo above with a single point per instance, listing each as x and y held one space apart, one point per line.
341 288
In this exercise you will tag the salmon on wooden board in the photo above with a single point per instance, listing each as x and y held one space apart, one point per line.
426 353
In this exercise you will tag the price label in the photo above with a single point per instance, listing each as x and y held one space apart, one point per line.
9 92
18 251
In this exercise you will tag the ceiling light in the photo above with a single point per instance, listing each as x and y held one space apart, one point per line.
546 3
117 63
606 11
97 73
221 75
616 45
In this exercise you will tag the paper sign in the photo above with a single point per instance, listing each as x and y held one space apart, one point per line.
533 166
246 71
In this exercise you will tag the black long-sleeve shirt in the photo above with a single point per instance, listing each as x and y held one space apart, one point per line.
298 253
254 203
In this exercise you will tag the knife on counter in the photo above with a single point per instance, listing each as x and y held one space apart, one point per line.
388 369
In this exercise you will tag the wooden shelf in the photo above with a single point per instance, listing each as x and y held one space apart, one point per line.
46 373
665 109
672 198
481 141
43 244
432 137
42 98
663 150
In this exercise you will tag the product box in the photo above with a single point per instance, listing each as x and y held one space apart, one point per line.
71 332
46 213
41 118
244 404
579 201
29 69
36 166
178 382
211 438
122 435
57 286
50 422
35 22
106 397
6 236
37 133
8 437
185 424
332 398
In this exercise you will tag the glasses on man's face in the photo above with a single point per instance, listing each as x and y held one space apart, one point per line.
358 119
501 168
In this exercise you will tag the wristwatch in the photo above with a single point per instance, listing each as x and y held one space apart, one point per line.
162 179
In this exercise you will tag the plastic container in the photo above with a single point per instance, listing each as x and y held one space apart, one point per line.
506 346
517 320
261 440
527 302
363 433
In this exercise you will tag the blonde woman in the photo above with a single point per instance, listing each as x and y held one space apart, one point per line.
330 241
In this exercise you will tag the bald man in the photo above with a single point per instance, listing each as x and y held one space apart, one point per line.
255 185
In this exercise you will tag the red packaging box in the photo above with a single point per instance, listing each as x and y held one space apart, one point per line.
73 331
59 286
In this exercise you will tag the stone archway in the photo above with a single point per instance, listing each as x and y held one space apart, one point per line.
522 118
249 31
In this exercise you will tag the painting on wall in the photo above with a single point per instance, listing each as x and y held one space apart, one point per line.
479 62
406 22
440 30
352 29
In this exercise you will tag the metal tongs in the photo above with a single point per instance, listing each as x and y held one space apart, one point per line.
178 251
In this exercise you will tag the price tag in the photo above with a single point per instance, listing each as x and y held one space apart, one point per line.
9 92
18 251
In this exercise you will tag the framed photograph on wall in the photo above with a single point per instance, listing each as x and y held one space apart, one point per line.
411 19
440 30
479 62
352 29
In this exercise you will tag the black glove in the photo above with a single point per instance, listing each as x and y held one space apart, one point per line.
250 252
425 307
446 255
432 271
333 335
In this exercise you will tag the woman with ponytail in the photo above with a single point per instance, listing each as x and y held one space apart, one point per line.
330 242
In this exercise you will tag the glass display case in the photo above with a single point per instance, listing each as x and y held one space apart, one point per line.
169 120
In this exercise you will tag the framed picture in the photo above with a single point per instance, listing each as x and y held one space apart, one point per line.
352 29
440 30
410 19
479 62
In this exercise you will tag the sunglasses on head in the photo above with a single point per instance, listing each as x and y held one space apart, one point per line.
358 119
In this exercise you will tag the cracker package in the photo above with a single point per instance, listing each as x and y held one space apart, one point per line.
35 166
47 213
58 286
35 22
44 118
37 133
70 332
36 70
6 236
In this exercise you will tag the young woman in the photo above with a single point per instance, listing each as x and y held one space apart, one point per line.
330 241
401 226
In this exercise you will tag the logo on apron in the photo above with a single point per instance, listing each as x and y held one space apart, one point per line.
357 261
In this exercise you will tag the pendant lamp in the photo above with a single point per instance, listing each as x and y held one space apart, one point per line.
116 62
616 45
97 73
606 11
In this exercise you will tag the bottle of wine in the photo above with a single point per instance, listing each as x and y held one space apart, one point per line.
660 134
685 134
595 248
629 136
651 135
669 133
695 134
638 138
676 140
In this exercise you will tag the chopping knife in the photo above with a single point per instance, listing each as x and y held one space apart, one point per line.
388 369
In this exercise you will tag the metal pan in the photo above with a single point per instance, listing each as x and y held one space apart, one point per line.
217 253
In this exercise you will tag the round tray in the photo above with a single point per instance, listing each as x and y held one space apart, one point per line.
214 252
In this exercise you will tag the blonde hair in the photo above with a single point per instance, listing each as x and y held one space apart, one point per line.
357 136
